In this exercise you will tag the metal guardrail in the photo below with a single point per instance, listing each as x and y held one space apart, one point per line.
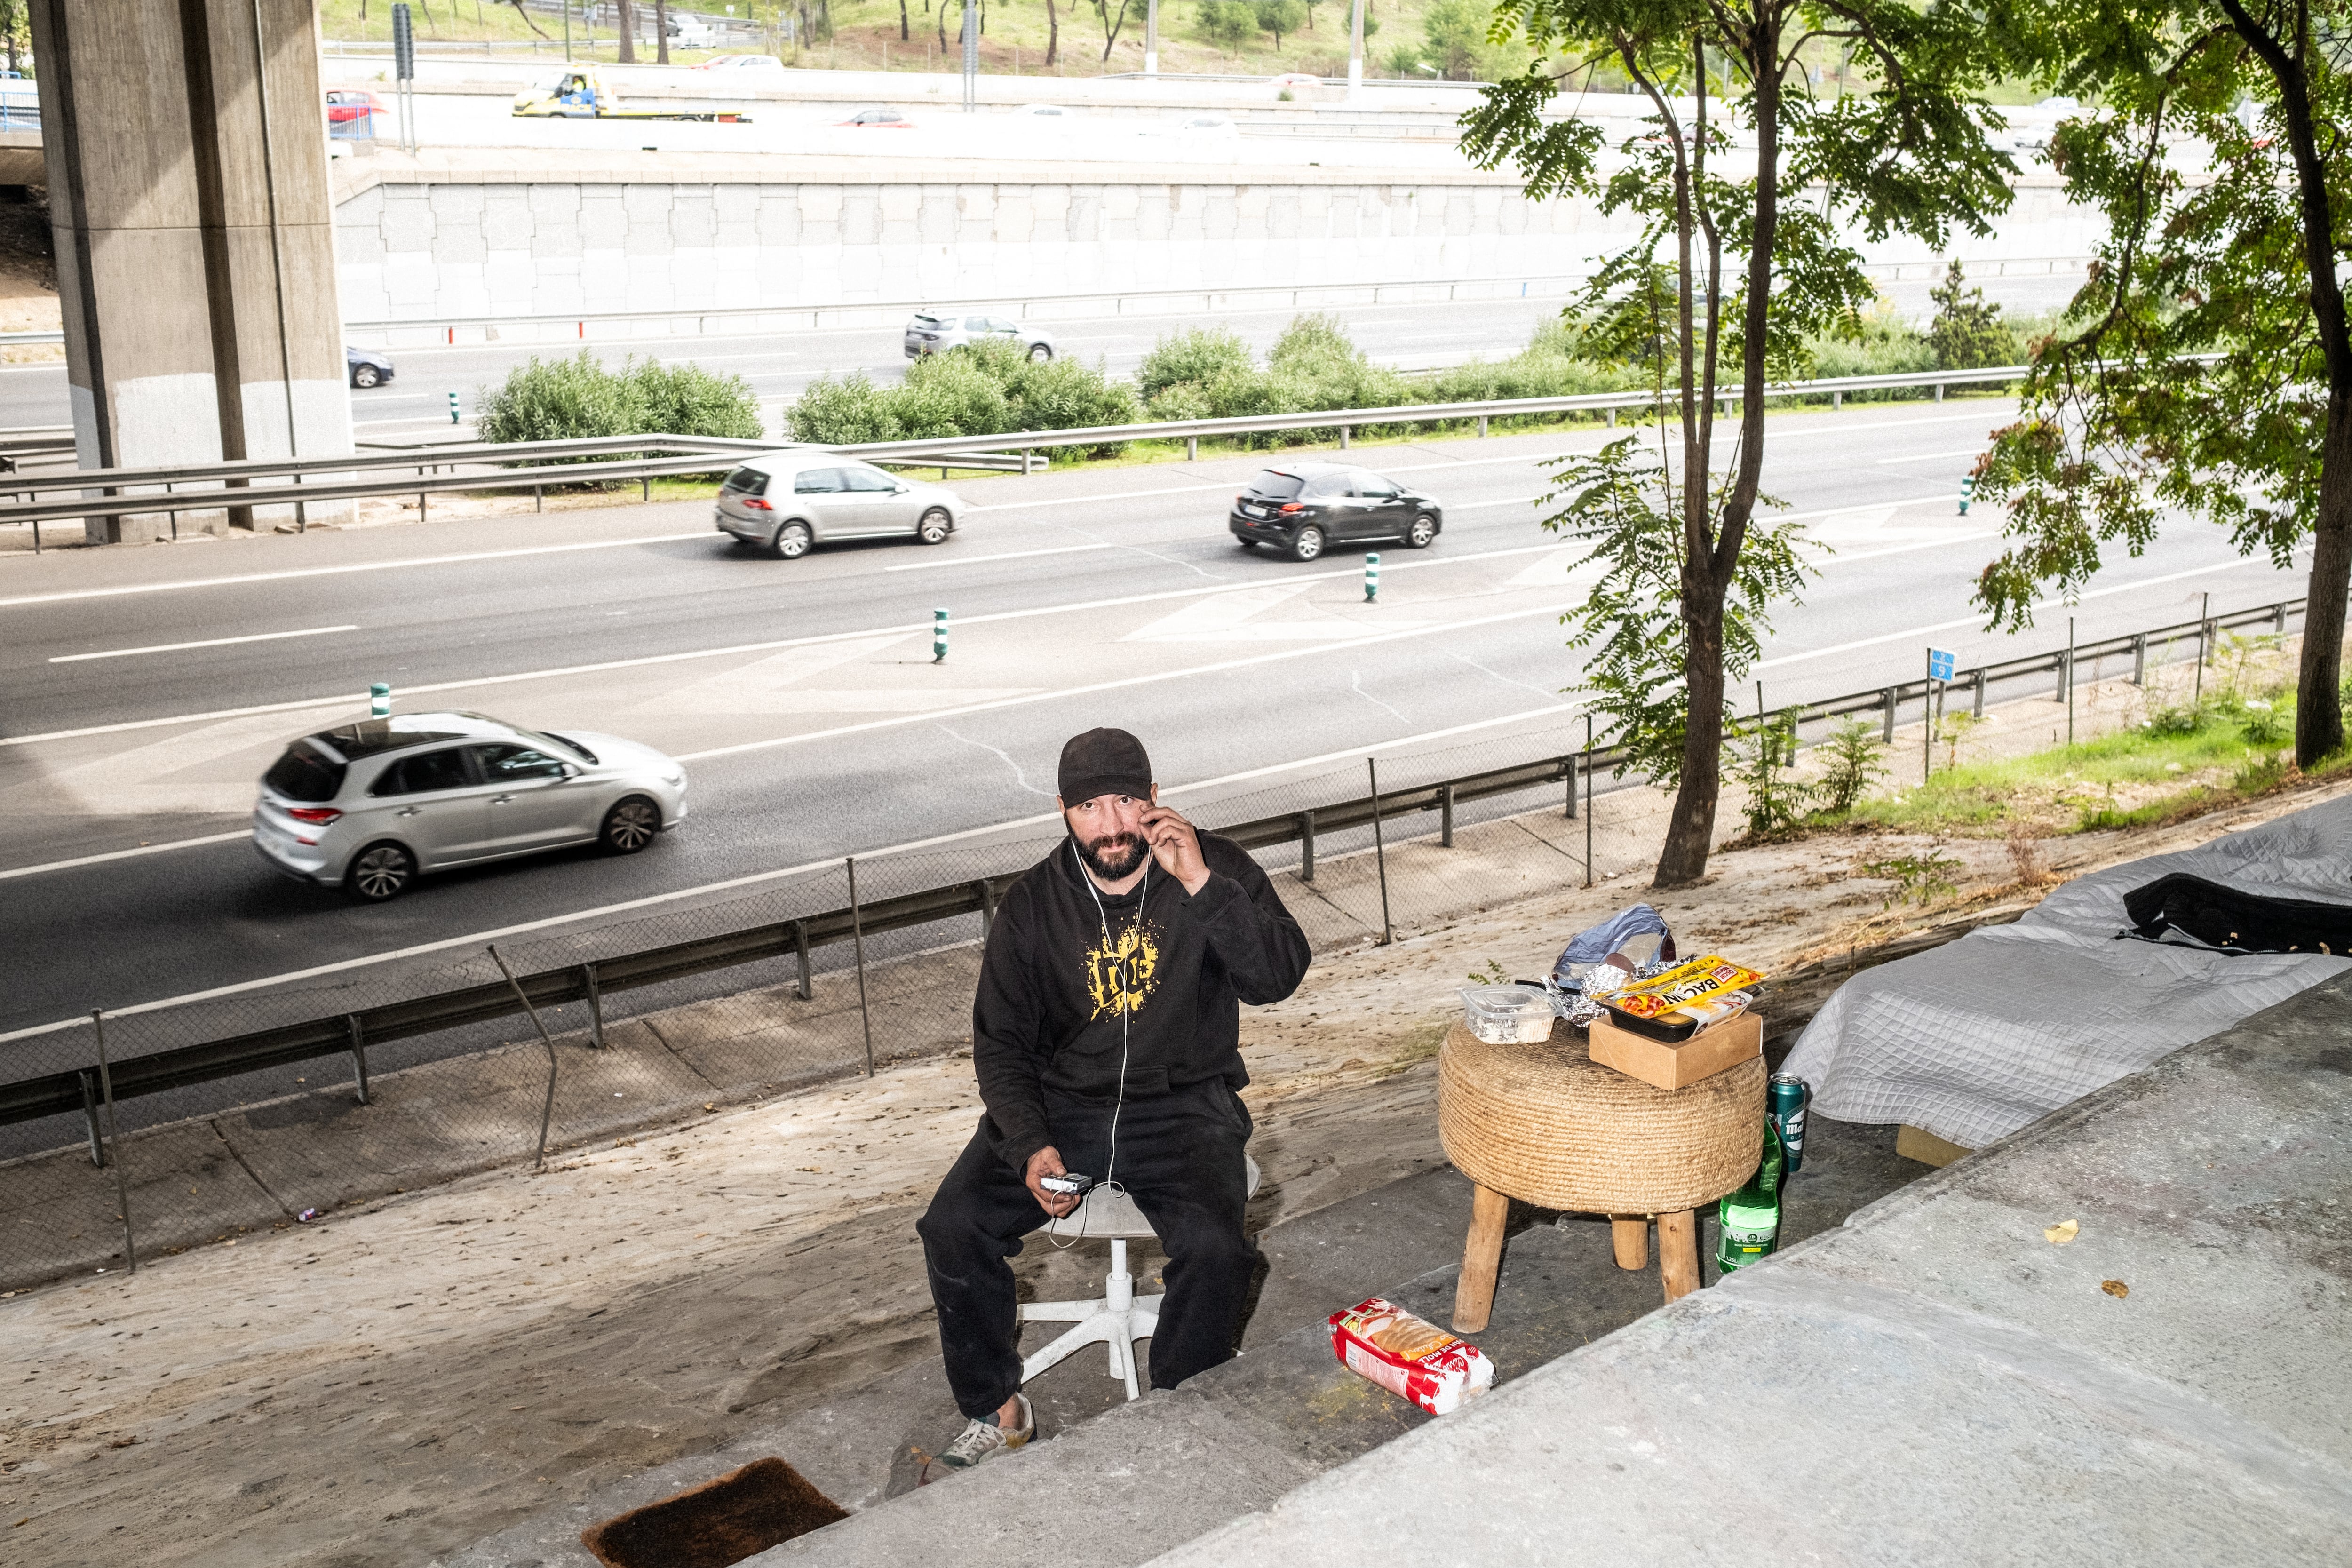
63 1092
517 471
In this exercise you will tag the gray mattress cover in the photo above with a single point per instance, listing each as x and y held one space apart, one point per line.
1973 1040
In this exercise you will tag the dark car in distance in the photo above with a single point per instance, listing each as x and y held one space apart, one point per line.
367 367
1306 508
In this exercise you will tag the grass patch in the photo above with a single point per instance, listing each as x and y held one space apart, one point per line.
2175 766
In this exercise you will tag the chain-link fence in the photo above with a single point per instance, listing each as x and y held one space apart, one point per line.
249 1110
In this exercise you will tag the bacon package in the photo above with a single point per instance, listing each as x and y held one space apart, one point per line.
1675 1005
1380 1340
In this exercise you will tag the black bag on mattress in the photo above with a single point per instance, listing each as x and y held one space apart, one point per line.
2247 923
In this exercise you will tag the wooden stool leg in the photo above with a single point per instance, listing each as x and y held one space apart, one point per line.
1678 1253
1482 1259
1629 1234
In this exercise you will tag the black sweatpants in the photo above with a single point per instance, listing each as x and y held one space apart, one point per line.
1180 1157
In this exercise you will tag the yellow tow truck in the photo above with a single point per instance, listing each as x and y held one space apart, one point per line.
583 95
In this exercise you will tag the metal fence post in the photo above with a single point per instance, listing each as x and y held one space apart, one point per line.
595 1008
547 1110
2140 659
90 1117
1445 817
122 1182
987 905
800 945
1380 853
1886 731
857 936
1343 437
358 1052
1568 766
2070 680
2278 619
1975 706
1307 845
1588 800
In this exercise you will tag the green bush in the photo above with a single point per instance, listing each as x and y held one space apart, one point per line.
1228 23
1968 332
1197 355
843 412
950 394
557 400
578 398
990 388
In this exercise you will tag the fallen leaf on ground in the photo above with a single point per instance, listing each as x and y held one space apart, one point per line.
2114 1288
2061 1233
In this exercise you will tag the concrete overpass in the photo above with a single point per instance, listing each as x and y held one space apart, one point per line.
195 242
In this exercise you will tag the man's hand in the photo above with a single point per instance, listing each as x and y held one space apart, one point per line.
1176 845
1047 1162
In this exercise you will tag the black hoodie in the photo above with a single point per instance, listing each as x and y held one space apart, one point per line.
1059 973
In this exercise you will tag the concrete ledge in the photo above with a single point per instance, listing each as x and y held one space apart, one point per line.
1938 1382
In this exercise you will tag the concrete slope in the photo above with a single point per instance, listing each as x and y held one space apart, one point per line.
1937 1382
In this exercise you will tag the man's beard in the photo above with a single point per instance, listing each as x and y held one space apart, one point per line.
1115 856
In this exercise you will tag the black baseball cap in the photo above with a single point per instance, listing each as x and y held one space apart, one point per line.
1104 762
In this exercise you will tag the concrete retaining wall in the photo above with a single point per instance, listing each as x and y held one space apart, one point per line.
468 234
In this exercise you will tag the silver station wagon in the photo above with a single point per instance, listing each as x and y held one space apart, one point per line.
371 805
790 502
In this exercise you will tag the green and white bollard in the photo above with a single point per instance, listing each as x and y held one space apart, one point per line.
379 700
454 419
1968 489
938 637
1371 579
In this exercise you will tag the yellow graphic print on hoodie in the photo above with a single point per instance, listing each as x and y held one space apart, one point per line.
1121 973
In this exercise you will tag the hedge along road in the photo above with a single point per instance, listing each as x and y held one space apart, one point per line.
804 694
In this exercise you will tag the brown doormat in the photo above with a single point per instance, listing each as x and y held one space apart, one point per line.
738 1515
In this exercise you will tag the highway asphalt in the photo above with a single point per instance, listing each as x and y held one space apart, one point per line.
778 365
804 697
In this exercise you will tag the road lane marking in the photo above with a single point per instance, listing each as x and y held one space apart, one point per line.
208 642
125 854
311 704
1934 457
243 577
1004 555
754 879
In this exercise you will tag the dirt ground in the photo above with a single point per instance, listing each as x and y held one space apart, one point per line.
413 1375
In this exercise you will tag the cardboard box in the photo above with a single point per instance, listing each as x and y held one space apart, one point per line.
1666 1064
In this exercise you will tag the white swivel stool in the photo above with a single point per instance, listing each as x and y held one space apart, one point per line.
1119 1316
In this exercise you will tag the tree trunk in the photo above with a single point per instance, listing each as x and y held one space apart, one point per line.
2319 717
903 34
1052 36
661 32
2318 707
1711 557
629 20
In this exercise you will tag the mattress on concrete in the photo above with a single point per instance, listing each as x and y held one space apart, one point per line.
1973 1040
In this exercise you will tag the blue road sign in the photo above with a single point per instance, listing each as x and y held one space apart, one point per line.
1939 665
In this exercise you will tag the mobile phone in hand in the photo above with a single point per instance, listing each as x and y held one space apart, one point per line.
1068 1185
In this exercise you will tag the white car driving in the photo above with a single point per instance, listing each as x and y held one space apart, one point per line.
371 805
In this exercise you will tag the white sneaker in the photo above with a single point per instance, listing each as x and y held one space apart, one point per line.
985 1439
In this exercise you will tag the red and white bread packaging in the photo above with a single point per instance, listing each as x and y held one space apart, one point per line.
1380 1340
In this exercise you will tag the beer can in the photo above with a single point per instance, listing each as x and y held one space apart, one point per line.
1787 1098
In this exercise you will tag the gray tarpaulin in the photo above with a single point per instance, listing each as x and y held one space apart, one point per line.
1973 1040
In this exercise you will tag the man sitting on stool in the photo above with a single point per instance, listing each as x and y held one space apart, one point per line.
1106 1034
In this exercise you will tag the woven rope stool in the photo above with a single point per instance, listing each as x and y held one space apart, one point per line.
1546 1124
1119 1316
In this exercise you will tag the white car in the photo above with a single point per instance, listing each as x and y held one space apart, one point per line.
790 502
371 805
762 63
932 331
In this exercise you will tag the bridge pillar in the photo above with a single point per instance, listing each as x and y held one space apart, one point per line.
185 144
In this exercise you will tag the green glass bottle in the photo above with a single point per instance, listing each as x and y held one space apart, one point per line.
1747 1222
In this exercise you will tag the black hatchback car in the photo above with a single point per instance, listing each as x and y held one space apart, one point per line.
1306 508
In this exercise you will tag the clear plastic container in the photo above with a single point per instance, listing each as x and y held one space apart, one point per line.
1508 1014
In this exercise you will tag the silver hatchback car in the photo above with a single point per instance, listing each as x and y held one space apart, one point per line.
931 332
371 805
792 501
